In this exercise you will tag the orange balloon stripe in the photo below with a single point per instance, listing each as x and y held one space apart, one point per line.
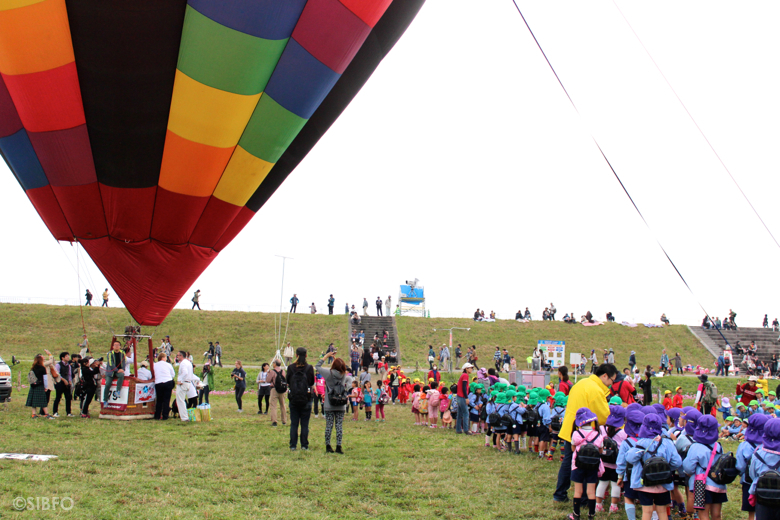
35 38
190 168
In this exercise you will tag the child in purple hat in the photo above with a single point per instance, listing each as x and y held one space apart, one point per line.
754 437
585 432
765 458
612 430
634 420
651 444
705 441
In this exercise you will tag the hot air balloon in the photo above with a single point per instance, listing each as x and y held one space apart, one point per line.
152 131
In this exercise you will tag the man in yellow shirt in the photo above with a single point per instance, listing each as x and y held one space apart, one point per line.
591 393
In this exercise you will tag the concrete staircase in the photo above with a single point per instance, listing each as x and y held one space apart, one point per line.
766 340
373 324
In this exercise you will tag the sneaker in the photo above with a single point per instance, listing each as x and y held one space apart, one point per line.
614 508
292 449
84 416
304 449
599 508
50 417
273 424
572 516
259 413
240 411
549 458
71 415
56 415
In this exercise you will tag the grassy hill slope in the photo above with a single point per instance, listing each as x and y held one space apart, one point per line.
27 329
520 339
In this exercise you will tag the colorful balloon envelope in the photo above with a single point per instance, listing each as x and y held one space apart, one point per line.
152 131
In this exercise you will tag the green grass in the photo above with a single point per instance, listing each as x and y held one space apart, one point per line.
238 466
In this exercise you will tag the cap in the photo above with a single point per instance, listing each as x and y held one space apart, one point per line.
467 365
753 378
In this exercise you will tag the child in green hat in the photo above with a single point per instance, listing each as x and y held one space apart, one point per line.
556 421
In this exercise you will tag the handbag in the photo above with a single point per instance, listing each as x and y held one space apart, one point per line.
700 483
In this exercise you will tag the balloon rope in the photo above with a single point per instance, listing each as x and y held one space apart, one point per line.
286 327
617 177
102 311
78 281
744 195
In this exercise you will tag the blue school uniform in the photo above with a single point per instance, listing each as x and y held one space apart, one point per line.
500 409
725 410
474 401
622 466
744 456
516 413
696 463
641 452
743 414
757 467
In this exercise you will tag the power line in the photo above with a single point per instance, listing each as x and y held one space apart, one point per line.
722 163
604 156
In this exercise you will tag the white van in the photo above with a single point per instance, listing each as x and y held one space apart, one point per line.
5 382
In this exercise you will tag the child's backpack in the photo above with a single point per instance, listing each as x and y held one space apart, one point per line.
337 394
610 450
483 411
748 478
494 418
724 470
435 400
629 467
384 397
588 455
444 404
768 485
508 420
656 470
531 416
454 405
422 404
683 444
556 424
709 393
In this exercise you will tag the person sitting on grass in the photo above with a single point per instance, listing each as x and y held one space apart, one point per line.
114 370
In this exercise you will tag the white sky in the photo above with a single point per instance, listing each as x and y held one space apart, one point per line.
463 164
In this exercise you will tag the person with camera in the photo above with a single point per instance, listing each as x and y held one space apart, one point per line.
337 383
300 377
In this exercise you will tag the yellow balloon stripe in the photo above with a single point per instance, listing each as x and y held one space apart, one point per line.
242 177
207 115
7 5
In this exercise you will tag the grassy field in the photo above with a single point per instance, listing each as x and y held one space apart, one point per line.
27 329
238 466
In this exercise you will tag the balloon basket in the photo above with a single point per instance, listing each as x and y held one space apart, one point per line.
133 403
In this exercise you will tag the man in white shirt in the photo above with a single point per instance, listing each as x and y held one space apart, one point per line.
183 385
